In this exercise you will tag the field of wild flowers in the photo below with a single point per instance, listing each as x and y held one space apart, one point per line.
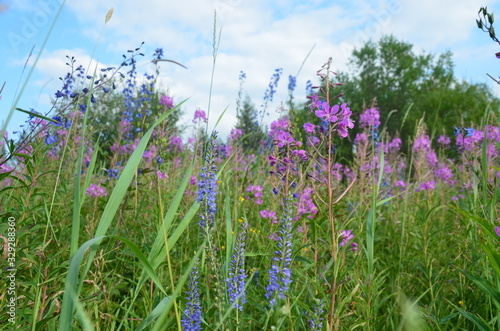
112 220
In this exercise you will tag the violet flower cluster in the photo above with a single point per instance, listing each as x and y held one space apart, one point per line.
191 316
236 272
339 115
280 274
207 186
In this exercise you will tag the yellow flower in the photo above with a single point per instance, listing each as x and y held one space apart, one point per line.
242 199
223 247
240 220
461 303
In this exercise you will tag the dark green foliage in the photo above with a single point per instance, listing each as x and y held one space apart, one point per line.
252 131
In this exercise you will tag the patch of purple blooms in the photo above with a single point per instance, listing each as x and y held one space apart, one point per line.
370 118
257 193
167 101
96 191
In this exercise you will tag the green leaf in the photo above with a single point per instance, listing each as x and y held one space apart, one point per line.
37 115
477 320
484 285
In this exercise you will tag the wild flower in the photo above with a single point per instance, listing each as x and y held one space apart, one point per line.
271 214
161 175
316 320
235 134
176 143
292 83
309 128
96 191
444 141
193 180
200 116
257 193
306 204
236 272
444 174
328 113
191 316
370 118
346 236
426 186
207 187
280 274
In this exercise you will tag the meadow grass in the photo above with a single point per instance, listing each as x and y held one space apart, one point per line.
209 236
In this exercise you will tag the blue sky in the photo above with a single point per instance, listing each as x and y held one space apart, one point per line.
257 37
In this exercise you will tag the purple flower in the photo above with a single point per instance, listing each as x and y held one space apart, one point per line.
283 138
370 117
200 116
161 175
235 134
316 322
346 236
207 187
328 113
236 272
426 186
300 153
269 214
444 140
497 230
309 127
306 204
167 101
191 316
96 191
345 122
280 274
49 140
176 141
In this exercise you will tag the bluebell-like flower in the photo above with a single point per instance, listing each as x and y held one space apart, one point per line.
191 316
236 272
280 274
49 140
58 120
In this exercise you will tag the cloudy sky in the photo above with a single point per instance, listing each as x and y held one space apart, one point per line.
257 36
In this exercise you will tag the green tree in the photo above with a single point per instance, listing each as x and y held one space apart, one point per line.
247 122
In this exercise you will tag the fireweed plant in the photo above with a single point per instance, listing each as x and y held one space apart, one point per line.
184 232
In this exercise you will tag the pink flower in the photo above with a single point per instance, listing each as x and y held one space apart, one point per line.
167 101
200 115
161 175
326 113
309 127
96 191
